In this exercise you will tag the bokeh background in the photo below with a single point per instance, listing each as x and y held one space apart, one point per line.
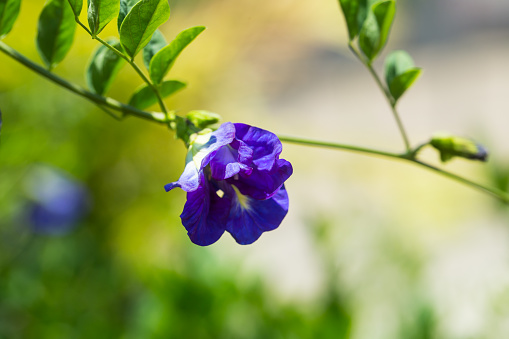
371 249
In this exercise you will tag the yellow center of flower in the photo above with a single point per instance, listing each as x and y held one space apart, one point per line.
243 200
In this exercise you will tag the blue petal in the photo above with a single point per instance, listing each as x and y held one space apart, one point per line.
188 181
224 135
225 164
247 224
263 184
265 145
205 214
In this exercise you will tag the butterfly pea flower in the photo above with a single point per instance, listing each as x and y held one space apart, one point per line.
234 181
56 202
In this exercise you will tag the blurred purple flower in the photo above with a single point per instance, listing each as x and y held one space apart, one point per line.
234 182
57 202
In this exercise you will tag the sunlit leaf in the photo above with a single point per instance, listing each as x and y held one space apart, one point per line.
400 73
9 10
350 9
76 6
375 29
100 13
403 82
55 31
125 8
141 22
163 60
145 97
155 45
103 68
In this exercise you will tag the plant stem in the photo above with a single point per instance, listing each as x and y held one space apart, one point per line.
98 99
311 142
500 195
388 96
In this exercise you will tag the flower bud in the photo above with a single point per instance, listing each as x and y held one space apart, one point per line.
451 146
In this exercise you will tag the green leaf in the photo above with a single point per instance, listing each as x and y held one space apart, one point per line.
202 119
55 32
350 9
125 8
402 82
100 13
450 146
141 22
155 45
163 60
9 10
375 29
145 97
103 67
76 6
400 73
396 63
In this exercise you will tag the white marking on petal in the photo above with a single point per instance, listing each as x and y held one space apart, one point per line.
220 193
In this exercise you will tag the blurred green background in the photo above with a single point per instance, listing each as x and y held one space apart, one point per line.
371 249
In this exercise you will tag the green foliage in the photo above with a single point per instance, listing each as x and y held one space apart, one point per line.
55 32
400 73
140 24
156 43
125 8
375 29
103 67
100 13
451 146
9 10
76 6
145 97
203 119
163 60
350 10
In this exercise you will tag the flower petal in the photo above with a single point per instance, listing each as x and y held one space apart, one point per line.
246 224
224 135
265 145
188 181
263 184
225 163
205 214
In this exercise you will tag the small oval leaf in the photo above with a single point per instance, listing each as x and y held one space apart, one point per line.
375 30
76 6
155 44
100 13
163 61
141 22
125 8
144 96
55 32
396 63
402 82
103 67
9 10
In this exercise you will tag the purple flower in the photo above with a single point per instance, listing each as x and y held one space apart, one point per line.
57 202
234 182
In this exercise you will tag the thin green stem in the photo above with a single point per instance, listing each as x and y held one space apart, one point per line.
500 195
98 99
311 142
388 96
138 70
